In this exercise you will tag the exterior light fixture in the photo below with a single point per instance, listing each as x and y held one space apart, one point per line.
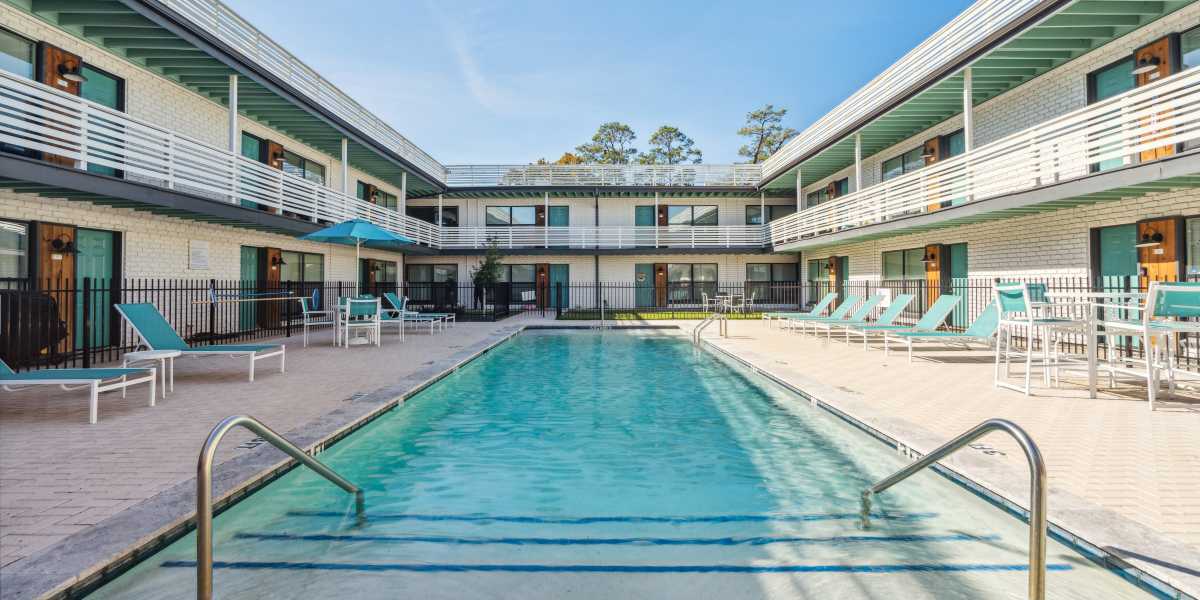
63 245
277 261
928 258
1147 65
70 71
1149 239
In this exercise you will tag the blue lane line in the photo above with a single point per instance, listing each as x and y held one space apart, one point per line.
618 519
500 568
638 541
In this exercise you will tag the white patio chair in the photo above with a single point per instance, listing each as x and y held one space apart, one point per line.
315 318
360 314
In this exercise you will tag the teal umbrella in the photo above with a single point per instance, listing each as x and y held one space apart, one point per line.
355 231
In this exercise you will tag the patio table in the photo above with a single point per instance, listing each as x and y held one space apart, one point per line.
1097 304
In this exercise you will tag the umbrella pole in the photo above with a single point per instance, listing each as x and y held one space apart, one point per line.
357 268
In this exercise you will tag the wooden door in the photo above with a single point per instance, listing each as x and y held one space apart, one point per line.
1162 51
539 215
52 61
542 283
56 279
932 152
1163 261
660 284
663 221
270 271
275 161
933 273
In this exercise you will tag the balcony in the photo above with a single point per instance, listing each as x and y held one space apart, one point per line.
1119 134
605 237
69 131
473 176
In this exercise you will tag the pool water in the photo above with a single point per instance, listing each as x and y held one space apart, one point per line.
612 465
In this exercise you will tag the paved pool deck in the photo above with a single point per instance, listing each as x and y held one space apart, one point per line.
1120 476
75 496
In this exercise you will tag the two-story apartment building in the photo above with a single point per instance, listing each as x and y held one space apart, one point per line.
170 138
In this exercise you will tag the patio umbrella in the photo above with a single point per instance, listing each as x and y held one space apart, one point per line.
355 231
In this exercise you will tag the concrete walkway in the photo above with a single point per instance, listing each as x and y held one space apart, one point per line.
1110 453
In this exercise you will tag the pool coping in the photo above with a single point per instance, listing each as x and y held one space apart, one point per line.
1085 527
81 562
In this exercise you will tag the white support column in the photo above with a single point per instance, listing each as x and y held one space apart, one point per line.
546 208
403 205
235 137
345 166
656 200
799 191
968 110
762 214
857 161
439 217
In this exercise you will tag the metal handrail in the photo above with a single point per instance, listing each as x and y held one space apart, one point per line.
698 329
204 511
1037 491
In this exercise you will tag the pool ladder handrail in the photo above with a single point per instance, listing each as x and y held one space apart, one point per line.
715 316
1037 491
204 509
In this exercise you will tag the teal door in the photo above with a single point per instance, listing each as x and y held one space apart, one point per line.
105 90
958 282
560 274
94 261
249 281
559 216
1118 260
253 149
643 216
643 278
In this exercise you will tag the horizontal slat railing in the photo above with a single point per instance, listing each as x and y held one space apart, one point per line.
719 236
218 20
746 175
38 118
1161 114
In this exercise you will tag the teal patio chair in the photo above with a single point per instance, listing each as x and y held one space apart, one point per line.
1021 307
840 312
816 311
933 318
96 380
157 334
887 319
1166 304
859 317
981 331
399 312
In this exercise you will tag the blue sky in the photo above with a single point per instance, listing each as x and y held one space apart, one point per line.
485 82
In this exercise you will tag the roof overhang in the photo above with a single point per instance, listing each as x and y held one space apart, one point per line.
606 251
612 192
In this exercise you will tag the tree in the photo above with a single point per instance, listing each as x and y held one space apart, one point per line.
670 146
612 144
766 133
486 275
566 159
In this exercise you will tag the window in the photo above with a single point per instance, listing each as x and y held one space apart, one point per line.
431 273
14 251
835 189
429 214
841 187
377 276
688 283
1189 48
515 216
297 165
904 264
376 196
772 272
16 54
102 88
905 163
1193 248
817 197
754 213
691 215
954 144
302 267
518 273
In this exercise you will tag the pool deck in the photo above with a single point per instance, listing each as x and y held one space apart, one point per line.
75 496
1120 476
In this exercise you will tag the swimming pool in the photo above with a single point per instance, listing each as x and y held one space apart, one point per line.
612 465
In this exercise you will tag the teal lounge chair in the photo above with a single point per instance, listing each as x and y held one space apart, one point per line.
889 316
840 312
859 316
981 331
930 321
96 380
816 311
399 313
157 334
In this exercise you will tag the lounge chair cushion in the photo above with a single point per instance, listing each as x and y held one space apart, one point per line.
247 348
72 374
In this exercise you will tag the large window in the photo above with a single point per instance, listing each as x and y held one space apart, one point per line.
835 189
754 213
688 283
904 264
16 54
431 273
773 282
376 196
691 215
432 285
378 276
817 197
14 251
511 216
302 267
299 166
429 214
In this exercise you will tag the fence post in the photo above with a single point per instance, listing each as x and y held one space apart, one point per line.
287 311
212 311
558 300
87 322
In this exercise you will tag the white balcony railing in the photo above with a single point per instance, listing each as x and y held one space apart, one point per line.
218 20
82 133
1114 132
745 175
605 237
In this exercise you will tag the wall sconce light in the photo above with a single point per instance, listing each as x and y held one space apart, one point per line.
70 71
63 245
929 258
1149 239
1147 65
276 262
